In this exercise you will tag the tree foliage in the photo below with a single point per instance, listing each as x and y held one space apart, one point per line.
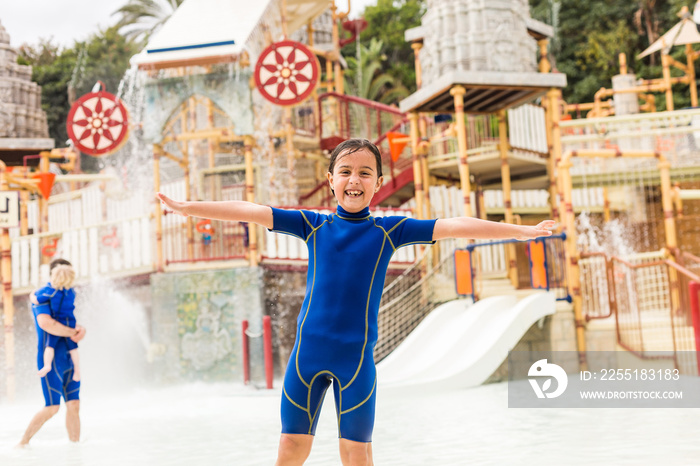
387 22
364 78
590 35
103 57
139 19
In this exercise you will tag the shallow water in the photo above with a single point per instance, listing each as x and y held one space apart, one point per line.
230 424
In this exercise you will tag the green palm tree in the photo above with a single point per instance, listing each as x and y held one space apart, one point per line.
141 18
364 77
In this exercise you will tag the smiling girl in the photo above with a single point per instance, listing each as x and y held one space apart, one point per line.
349 253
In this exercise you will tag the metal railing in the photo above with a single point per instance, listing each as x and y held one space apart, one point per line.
674 134
115 248
655 308
546 264
596 271
345 116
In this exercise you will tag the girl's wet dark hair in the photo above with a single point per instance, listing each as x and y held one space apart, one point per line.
57 262
350 146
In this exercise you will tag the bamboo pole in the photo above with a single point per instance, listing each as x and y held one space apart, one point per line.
211 146
159 266
23 212
44 206
417 171
290 152
189 223
665 62
503 146
572 258
424 151
690 54
457 93
670 228
250 197
416 46
549 102
606 204
8 305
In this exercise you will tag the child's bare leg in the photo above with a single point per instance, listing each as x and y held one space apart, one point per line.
76 364
48 359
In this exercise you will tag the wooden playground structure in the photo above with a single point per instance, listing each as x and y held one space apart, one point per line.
504 153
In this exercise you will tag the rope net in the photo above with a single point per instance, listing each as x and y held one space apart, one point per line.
410 298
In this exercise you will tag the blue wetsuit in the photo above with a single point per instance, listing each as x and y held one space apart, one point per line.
62 305
337 326
59 381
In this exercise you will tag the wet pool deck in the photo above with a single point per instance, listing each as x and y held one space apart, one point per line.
233 425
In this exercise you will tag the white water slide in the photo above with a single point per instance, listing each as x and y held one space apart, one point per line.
459 345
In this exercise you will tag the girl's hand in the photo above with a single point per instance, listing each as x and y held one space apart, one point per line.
172 207
541 229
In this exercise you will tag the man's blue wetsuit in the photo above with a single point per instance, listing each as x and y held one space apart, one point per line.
337 326
59 381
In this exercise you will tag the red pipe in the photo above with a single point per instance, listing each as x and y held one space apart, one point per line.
267 349
246 353
694 290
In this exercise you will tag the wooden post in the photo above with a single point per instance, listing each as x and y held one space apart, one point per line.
572 257
289 131
8 305
458 93
416 46
186 168
504 146
159 210
424 151
622 58
417 169
335 34
606 204
670 227
23 212
544 65
666 63
44 207
690 54
250 197
555 190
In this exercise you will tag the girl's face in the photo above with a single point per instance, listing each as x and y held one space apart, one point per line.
354 180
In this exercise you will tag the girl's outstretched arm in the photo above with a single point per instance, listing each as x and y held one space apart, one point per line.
237 211
474 228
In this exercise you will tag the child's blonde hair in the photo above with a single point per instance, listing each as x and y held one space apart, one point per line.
62 277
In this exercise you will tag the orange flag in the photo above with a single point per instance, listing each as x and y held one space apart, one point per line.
45 183
396 147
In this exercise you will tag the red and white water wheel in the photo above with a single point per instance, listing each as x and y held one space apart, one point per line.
286 72
98 123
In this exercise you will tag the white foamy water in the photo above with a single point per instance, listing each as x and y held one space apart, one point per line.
230 424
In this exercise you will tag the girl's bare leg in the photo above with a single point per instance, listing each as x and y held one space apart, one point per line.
355 453
48 359
294 449
75 356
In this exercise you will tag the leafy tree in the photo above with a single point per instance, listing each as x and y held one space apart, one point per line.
386 22
590 35
365 78
103 57
139 19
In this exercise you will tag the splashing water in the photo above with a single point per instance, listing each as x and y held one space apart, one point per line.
115 350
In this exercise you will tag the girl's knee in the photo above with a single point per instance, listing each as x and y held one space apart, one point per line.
52 410
294 449
73 405
355 453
